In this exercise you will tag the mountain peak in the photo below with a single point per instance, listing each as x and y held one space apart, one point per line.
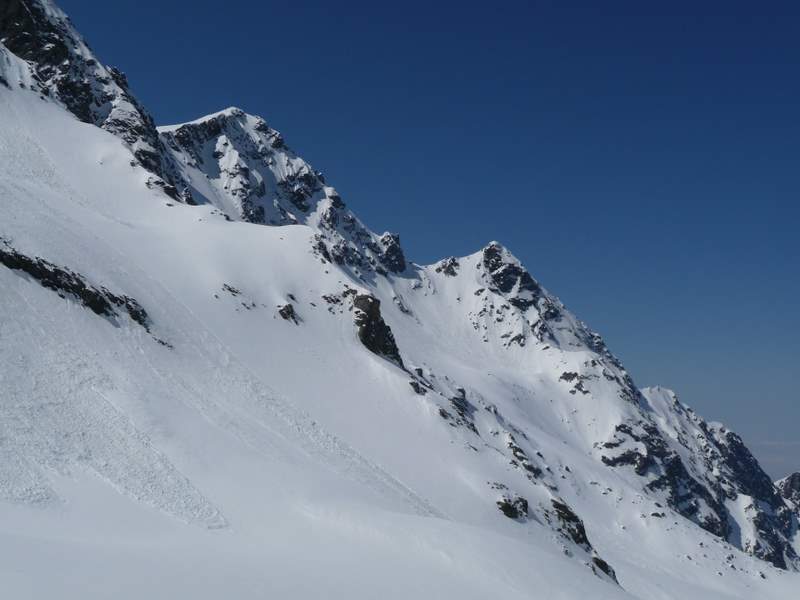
68 71
507 275
238 163
494 244
233 111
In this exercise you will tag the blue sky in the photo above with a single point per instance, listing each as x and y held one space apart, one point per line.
643 161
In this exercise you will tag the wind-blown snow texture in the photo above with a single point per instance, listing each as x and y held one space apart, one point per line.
207 359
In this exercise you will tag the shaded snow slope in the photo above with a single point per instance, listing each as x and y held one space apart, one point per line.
184 386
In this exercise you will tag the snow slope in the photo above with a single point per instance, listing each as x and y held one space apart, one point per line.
197 404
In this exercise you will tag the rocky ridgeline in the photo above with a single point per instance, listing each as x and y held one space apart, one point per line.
520 311
719 470
70 285
232 160
654 442
238 163
67 70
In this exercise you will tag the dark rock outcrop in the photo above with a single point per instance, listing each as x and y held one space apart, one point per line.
572 528
67 283
570 524
448 266
514 507
418 387
521 459
392 256
288 313
509 278
373 331
604 567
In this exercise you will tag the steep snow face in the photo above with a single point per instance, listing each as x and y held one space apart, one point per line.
237 163
304 395
65 69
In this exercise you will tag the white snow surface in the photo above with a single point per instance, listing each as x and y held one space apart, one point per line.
232 452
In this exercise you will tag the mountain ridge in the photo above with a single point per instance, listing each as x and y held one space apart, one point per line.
503 381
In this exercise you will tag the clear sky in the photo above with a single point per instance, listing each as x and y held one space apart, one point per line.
642 159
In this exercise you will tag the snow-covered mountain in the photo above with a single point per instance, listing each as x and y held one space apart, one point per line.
237 163
207 360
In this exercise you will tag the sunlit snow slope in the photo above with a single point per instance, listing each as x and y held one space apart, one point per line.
216 381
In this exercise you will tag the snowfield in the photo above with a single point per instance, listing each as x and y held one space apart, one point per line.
234 388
